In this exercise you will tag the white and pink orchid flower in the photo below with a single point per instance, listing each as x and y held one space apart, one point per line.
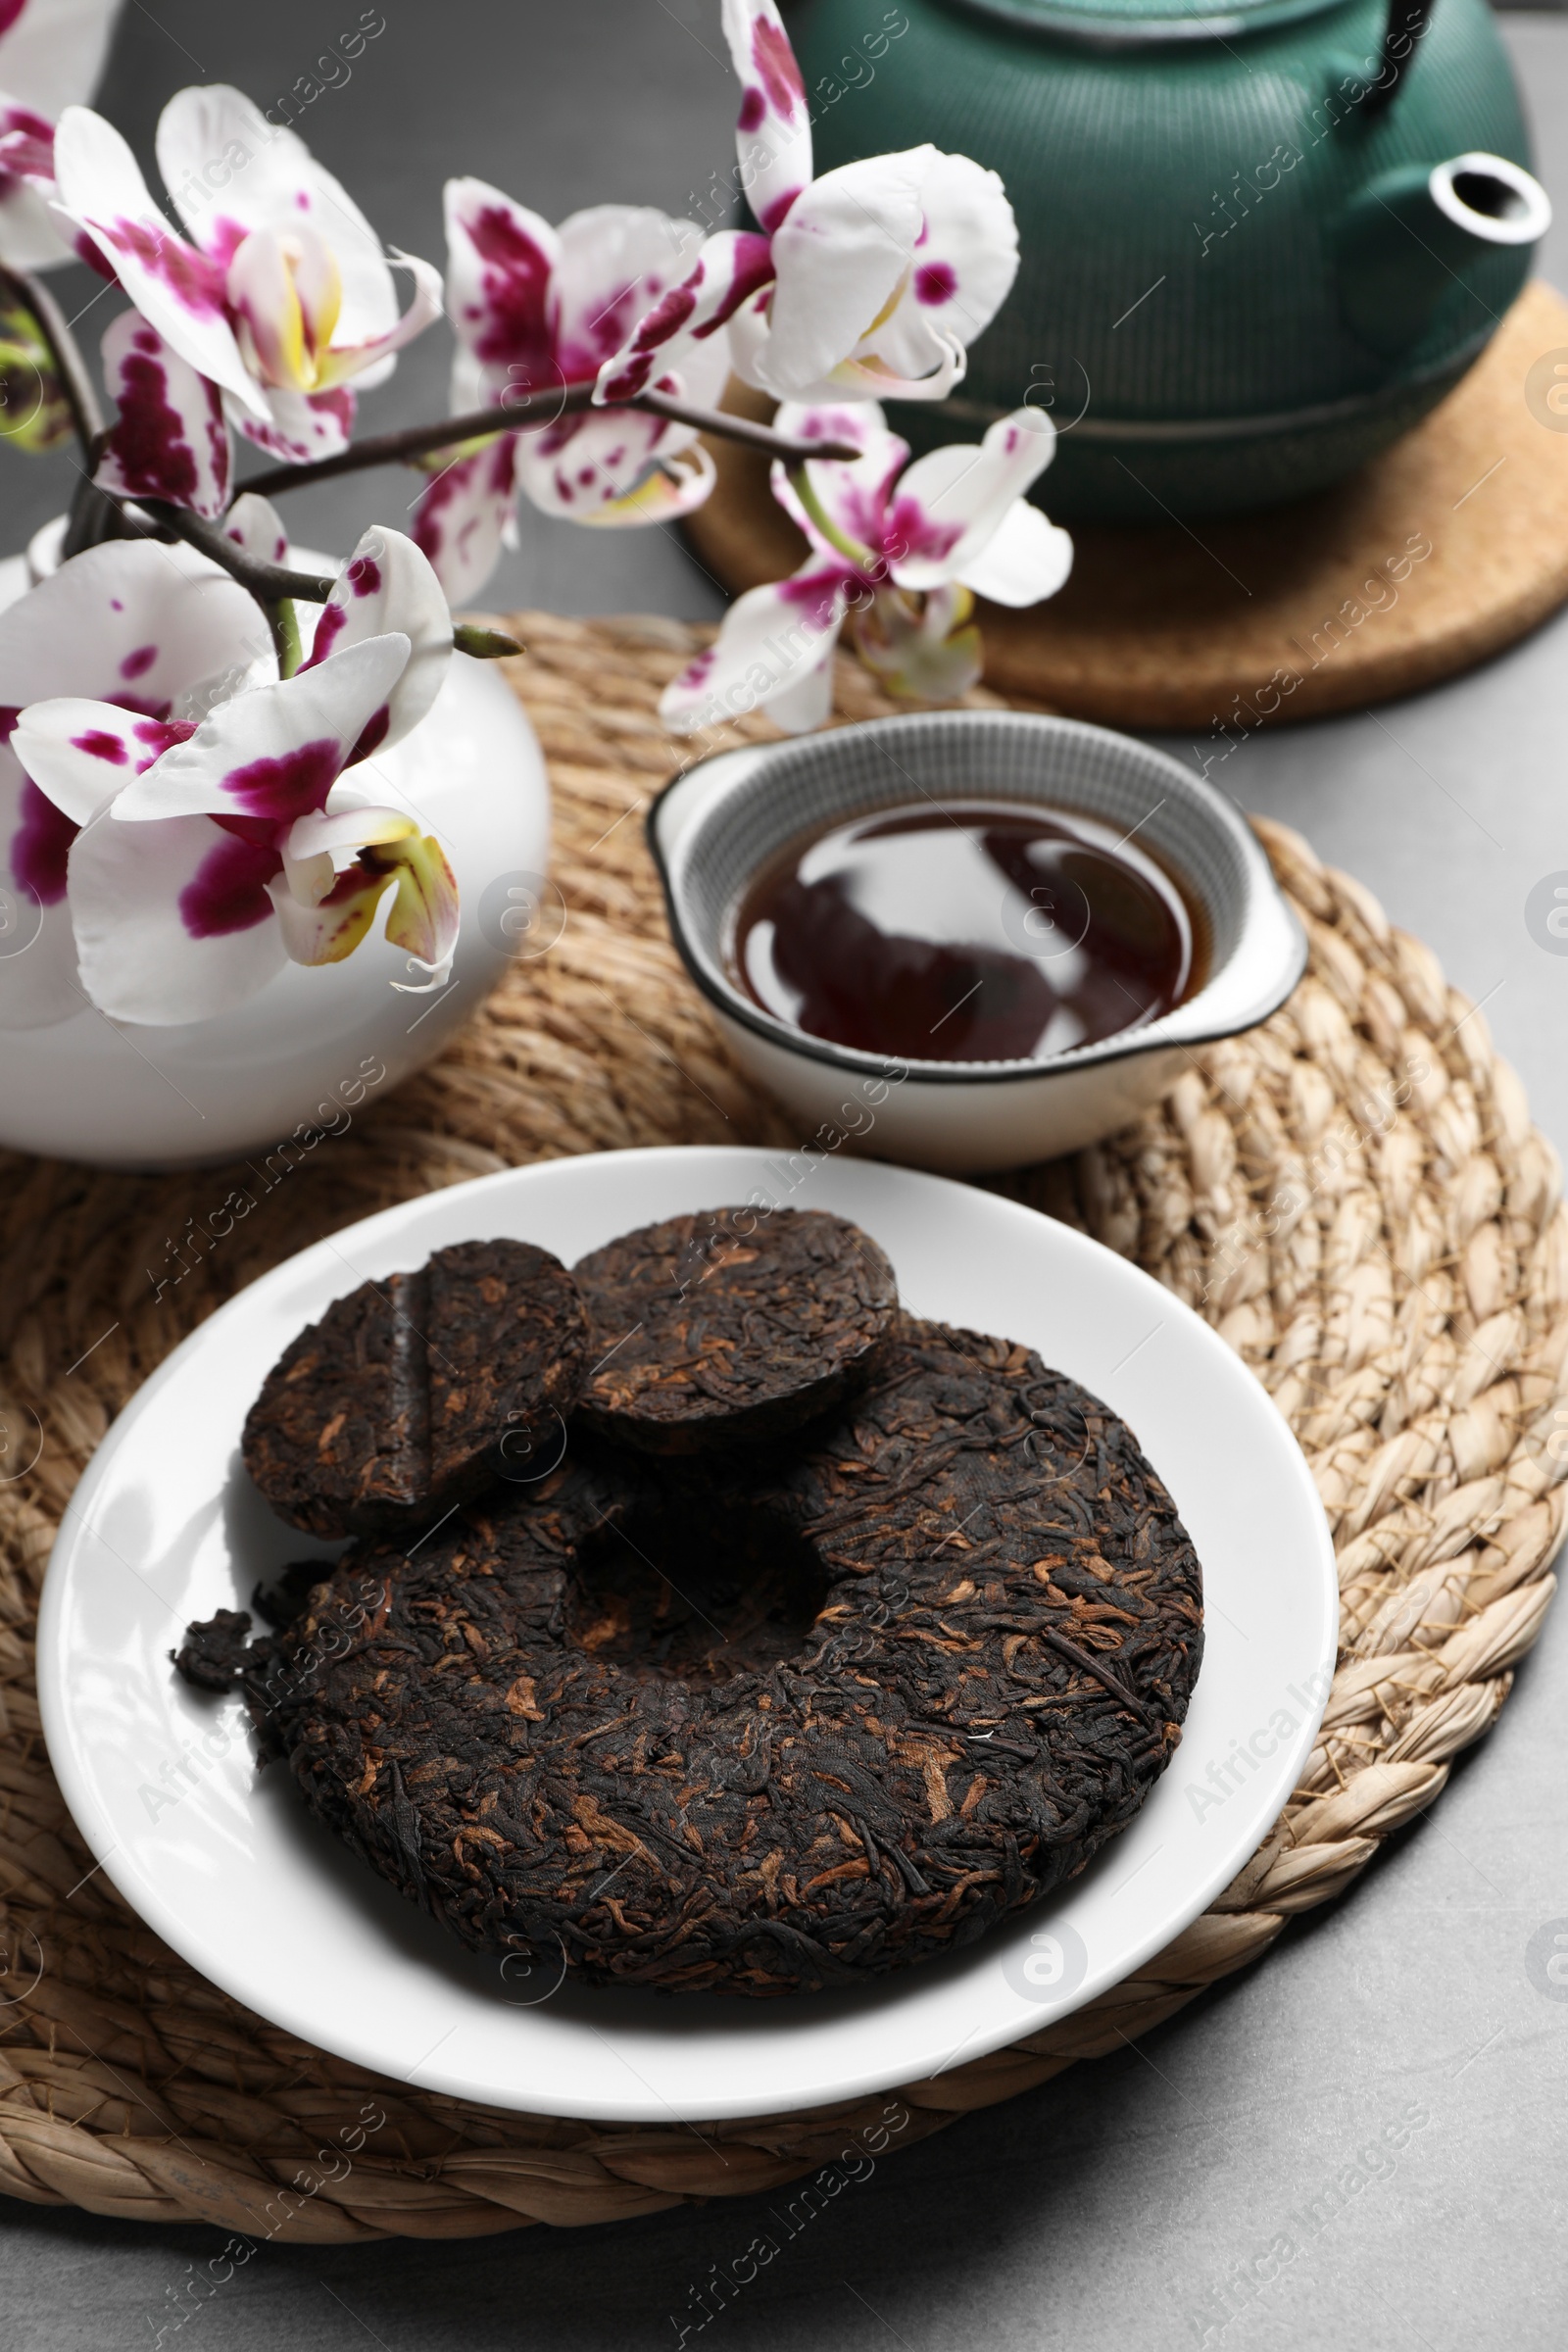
537 309
281 296
868 283
904 548
196 834
51 53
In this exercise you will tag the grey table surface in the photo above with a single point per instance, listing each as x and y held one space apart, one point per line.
1133 2203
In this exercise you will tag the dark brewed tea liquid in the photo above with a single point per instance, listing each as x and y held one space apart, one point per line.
975 931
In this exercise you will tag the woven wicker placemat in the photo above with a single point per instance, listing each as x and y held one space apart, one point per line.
1354 1195
1450 546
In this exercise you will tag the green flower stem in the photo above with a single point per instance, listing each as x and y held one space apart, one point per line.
800 482
285 624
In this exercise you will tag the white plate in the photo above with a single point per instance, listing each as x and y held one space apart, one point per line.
233 1874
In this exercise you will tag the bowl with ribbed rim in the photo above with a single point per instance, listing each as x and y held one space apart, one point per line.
721 821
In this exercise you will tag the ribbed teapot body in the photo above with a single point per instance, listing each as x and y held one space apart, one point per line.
1181 203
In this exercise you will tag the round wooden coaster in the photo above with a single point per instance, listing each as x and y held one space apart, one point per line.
1448 548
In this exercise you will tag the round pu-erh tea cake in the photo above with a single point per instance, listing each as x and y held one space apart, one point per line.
763 1722
731 1326
412 1391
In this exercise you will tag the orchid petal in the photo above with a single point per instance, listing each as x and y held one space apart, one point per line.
132 622
174 285
274 753
1027 559
82 752
670 488
951 501
231 173
807 704
371 361
261 292
255 524
52 51
853 493
174 921
424 916
963 269
933 655
298 426
328 930
461 516
615 468
170 439
731 271
773 133
501 265
30 230
617 261
39 981
314 843
866 378
388 585
839 258
768 640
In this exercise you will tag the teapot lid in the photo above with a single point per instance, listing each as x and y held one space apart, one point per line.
1113 23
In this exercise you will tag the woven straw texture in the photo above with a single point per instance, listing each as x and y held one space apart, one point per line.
1354 1195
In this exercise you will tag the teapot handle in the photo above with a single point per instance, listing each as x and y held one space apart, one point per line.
1407 22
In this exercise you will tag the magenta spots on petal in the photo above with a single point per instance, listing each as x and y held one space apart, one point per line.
26 145
517 291
339 401
329 629
753 107
149 448
912 530
87 249
753 269
189 275
40 846
160 735
228 890
138 663
816 594
115 605
585 475
371 735
773 214
221 240
775 60
363 576
99 744
289 787
935 282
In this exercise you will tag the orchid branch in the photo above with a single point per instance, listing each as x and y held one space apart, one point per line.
275 585
418 441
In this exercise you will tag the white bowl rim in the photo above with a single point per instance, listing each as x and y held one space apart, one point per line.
1271 935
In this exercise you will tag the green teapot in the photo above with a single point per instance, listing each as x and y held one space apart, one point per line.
1259 242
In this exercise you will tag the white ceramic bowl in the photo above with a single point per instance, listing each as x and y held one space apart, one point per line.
717 824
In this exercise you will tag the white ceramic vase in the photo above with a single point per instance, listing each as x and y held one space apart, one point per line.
314 1047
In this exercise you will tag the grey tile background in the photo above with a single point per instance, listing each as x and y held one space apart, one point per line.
1107 2209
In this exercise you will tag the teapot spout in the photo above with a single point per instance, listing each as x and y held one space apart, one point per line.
1403 239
